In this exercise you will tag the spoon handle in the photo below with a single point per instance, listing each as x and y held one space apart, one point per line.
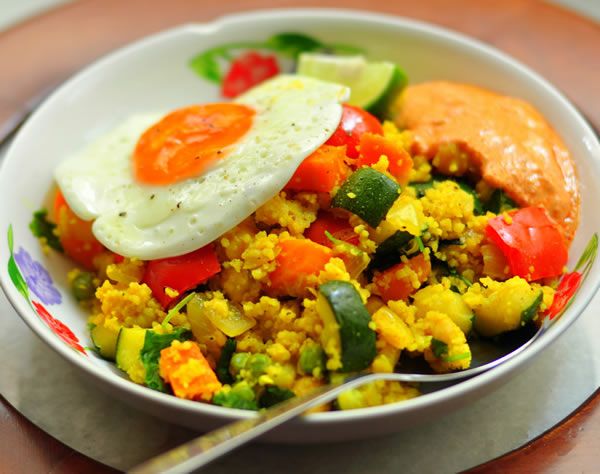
202 450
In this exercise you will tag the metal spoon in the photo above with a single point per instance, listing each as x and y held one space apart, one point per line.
204 449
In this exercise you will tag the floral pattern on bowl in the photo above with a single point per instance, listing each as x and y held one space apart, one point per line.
247 64
30 278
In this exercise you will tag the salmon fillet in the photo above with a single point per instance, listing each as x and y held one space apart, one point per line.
509 141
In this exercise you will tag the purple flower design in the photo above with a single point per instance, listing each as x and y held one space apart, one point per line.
37 278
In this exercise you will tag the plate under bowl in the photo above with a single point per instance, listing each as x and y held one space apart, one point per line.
153 74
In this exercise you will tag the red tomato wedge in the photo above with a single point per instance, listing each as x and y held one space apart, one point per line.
322 171
396 283
373 146
75 234
355 121
338 227
247 71
180 273
186 142
566 289
530 241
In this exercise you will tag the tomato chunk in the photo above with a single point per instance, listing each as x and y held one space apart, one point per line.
180 273
338 227
355 121
530 241
373 146
321 171
75 234
247 71
397 282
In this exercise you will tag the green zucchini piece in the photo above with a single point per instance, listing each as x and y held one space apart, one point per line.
223 373
346 325
499 202
127 352
105 341
503 306
529 313
367 193
272 395
390 250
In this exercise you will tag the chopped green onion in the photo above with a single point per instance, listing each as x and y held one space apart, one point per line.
455 357
175 309
439 348
420 244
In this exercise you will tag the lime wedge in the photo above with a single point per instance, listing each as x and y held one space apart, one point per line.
373 85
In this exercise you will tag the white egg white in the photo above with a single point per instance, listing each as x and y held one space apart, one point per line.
294 116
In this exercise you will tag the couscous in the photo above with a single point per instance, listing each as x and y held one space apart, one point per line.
382 247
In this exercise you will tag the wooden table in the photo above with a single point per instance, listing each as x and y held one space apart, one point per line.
559 44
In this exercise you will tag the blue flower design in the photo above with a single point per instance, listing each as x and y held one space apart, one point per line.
37 278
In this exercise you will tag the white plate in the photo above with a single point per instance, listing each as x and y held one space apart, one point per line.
153 74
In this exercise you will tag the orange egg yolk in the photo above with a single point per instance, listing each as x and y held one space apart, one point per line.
186 142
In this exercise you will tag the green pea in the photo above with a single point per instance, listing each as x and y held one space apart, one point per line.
83 287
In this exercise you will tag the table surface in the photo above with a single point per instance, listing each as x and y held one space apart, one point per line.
553 41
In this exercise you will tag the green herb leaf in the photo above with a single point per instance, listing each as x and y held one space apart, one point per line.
439 348
223 373
273 395
292 44
206 65
41 227
150 354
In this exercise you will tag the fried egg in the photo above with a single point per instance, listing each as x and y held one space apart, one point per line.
159 186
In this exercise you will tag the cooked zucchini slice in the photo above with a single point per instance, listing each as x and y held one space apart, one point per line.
105 341
502 306
272 395
346 337
127 353
223 373
367 193
389 251
529 313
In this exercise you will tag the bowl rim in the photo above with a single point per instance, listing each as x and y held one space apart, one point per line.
455 391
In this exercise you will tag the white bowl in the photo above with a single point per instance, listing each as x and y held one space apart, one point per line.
153 74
